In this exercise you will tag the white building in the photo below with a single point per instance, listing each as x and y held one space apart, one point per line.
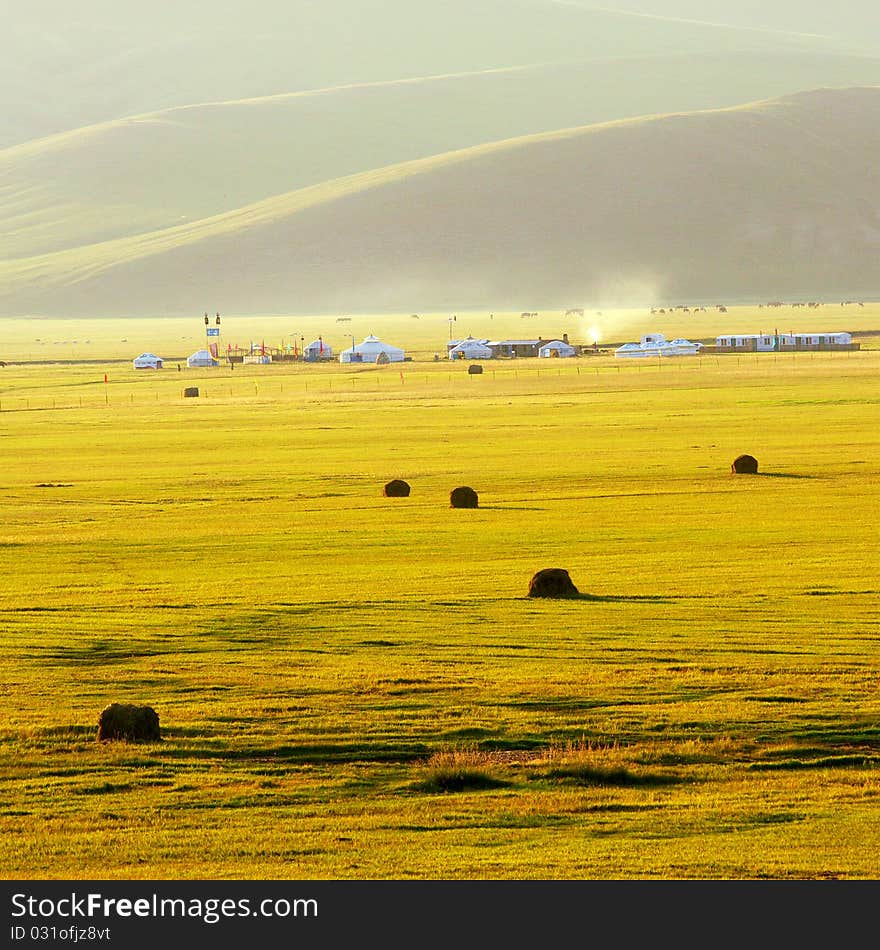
759 342
656 344
469 349
318 350
767 342
557 348
372 350
147 361
201 358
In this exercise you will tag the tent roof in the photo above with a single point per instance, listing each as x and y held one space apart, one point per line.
466 345
372 344
201 356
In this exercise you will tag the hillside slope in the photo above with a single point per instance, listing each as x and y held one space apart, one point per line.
777 199
154 171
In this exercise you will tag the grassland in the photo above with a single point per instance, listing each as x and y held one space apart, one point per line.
356 687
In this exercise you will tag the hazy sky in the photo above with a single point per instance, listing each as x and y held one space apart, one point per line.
66 64
857 20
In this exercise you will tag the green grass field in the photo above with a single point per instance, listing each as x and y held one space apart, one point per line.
356 687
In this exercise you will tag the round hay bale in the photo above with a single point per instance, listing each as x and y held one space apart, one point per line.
744 465
552 582
475 369
123 721
191 391
396 488
463 497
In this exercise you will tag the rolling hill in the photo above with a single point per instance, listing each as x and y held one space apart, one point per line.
157 170
775 199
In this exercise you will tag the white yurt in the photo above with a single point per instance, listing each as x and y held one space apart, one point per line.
147 361
318 350
201 358
557 348
470 349
371 351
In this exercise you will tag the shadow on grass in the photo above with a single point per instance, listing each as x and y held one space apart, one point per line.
104 652
781 475
826 762
776 699
618 777
459 781
511 508
105 788
292 755
67 731
828 592
559 704
615 598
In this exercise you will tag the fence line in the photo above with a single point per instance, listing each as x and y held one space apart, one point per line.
298 385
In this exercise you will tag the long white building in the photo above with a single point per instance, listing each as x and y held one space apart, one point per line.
782 342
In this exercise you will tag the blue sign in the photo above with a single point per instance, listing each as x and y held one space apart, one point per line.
213 331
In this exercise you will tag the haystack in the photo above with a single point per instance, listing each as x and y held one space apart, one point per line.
396 488
744 465
552 582
463 497
129 723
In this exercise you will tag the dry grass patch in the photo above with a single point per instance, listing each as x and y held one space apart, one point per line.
599 764
461 769
585 763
